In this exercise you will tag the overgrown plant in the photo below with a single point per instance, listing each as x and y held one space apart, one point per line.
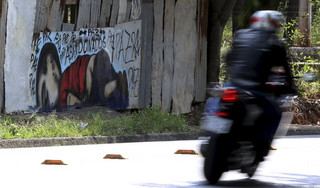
145 121
225 47
37 127
292 30
309 90
315 26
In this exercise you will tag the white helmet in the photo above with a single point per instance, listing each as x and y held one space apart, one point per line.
269 20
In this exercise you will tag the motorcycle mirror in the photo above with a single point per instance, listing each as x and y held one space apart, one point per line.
309 77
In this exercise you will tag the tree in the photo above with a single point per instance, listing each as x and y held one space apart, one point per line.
305 22
219 13
246 8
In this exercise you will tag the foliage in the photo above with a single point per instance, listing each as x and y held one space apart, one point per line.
315 27
36 127
249 7
309 90
146 121
292 30
226 43
293 33
306 89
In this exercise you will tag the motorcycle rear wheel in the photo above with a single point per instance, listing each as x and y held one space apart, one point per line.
216 158
250 171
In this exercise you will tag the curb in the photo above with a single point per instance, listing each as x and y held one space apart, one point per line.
65 141
294 130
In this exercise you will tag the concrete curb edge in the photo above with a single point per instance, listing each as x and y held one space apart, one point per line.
65 141
294 130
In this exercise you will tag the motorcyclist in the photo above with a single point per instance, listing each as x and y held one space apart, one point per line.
257 55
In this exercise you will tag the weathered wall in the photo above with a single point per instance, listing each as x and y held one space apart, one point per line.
185 55
146 54
17 53
171 72
179 54
110 75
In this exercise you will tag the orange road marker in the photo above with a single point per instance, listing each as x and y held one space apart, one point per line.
113 156
185 151
53 162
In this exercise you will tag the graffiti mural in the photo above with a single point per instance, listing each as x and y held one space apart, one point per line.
87 67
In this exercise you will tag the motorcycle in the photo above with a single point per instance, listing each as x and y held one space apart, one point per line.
231 128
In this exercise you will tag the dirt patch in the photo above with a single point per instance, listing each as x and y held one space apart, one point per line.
307 111
193 118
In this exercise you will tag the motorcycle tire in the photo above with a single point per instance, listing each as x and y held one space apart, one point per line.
216 158
250 171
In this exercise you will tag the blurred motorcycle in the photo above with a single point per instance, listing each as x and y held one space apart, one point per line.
231 128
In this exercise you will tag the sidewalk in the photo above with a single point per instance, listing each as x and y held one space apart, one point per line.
43 142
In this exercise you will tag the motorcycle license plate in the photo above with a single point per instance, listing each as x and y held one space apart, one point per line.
216 124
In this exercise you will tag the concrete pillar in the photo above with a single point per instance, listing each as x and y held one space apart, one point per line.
20 26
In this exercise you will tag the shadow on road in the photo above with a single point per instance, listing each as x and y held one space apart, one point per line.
245 183
249 183
285 180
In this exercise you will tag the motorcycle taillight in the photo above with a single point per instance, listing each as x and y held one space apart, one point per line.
221 114
229 96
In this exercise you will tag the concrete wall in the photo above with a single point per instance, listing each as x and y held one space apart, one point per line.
21 16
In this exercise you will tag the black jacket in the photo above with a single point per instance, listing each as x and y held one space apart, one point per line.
253 55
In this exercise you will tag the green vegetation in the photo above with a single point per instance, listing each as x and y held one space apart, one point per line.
315 26
305 89
146 121
308 90
226 43
37 127
292 29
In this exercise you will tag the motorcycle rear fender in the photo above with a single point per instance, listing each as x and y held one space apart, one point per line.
216 124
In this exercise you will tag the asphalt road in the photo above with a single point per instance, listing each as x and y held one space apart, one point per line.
295 163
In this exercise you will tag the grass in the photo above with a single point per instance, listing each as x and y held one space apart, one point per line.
309 90
146 121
